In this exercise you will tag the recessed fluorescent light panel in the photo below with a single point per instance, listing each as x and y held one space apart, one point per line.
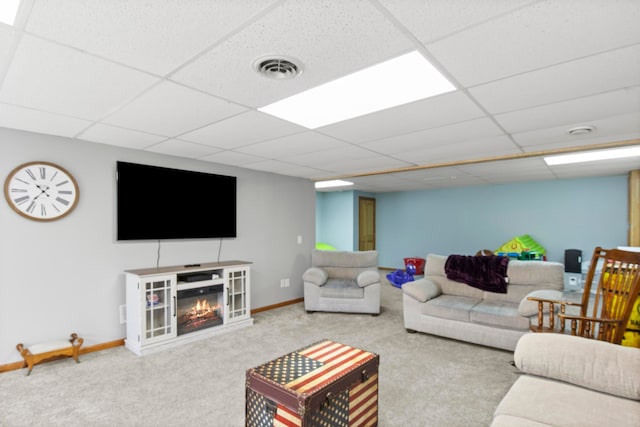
8 11
333 183
592 156
401 80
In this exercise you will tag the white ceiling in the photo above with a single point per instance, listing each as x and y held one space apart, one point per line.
176 77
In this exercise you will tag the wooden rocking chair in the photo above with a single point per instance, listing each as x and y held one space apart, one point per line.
612 299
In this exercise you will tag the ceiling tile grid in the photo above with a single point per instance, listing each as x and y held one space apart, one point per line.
179 78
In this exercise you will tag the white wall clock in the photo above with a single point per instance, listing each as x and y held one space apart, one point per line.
41 191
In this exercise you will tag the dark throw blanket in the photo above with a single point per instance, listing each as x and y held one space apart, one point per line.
488 273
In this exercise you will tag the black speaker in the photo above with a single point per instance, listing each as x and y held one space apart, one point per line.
572 261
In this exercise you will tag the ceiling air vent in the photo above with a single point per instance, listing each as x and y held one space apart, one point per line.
277 68
581 130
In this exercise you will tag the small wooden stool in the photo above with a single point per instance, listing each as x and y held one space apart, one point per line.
50 350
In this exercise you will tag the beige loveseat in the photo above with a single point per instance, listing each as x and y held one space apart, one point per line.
440 306
572 381
342 281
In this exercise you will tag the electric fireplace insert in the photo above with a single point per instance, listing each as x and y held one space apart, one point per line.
200 308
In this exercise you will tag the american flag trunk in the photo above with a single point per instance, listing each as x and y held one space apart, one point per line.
324 384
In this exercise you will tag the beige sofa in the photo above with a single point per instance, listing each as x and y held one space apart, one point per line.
439 306
572 381
342 281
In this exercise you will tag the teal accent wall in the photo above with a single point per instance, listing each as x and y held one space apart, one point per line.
335 219
560 214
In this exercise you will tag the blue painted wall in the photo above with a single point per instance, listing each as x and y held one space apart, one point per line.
560 214
335 219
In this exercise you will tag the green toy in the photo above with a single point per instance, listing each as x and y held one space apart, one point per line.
522 247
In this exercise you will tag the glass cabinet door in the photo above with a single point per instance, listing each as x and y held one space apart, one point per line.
238 294
158 299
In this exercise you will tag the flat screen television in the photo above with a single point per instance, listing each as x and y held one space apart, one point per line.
155 203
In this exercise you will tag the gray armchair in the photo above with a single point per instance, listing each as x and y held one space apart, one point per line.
342 281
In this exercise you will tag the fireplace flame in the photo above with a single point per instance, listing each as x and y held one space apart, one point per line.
201 309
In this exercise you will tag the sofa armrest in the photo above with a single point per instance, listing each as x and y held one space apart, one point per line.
422 289
315 275
368 277
593 364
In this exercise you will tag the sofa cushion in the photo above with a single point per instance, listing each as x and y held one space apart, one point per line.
338 288
422 289
450 307
559 404
513 421
315 275
527 276
500 314
344 264
589 363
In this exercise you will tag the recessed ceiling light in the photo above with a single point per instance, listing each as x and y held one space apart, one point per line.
592 156
8 11
333 183
401 80
581 130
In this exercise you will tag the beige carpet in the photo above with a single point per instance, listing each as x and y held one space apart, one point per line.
424 380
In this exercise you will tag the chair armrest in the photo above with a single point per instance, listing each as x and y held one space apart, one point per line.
368 277
585 326
315 275
529 304
593 364
422 290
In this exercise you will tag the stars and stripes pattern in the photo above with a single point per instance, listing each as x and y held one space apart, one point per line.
308 371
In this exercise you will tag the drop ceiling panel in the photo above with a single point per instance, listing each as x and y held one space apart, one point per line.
244 129
325 159
437 137
303 172
373 163
54 78
293 145
589 76
425 114
15 117
573 111
274 166
228 157
176 77
498 168
121 137
329 40
529 169
489 147
147 35
433 19
540 35
610 128
169 109
8 39
602 168
175 147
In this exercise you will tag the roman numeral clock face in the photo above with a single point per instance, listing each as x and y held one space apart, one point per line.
41 191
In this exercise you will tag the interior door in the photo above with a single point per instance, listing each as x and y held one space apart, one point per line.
366 223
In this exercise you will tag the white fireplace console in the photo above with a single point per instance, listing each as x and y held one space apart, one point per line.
171 305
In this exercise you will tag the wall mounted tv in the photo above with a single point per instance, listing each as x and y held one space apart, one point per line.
155 203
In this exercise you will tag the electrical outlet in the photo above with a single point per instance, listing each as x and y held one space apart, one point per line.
284 283
123 314
299 240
